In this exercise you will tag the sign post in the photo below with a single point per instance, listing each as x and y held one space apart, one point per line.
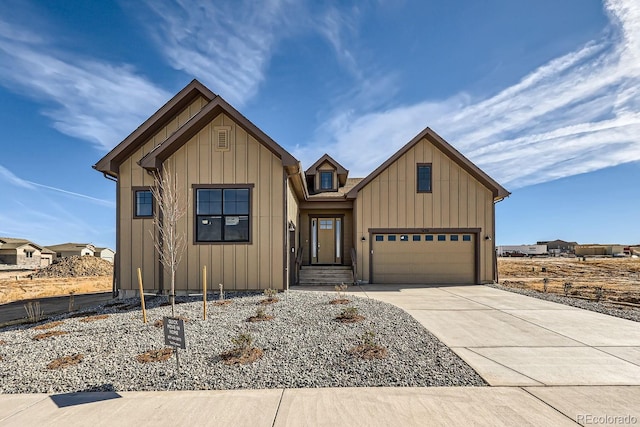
174 335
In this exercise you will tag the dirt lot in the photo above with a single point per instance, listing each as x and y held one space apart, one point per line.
618 277
25 288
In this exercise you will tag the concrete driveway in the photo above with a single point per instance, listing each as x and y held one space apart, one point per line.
515 340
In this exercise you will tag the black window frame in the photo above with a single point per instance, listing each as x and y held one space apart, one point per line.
326 173
419 188
135 191
199 217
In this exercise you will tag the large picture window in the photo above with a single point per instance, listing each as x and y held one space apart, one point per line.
424 177
143 203
223 214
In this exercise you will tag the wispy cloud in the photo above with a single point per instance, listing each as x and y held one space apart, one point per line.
88 99
578 113
226 45
11 178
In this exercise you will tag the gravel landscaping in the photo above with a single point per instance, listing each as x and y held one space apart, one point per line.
302 346
629 313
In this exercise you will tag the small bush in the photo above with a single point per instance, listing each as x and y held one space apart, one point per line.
34 312
368 347
243 352
566 288
341 298
349 315
260 316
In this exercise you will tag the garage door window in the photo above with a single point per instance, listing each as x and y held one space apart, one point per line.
416 238
404 238
466 238
454 237
379 238
442 238
391 238
428 238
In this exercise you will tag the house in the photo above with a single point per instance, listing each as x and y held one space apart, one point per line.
104 253
65 250
22 252
426 215
522 250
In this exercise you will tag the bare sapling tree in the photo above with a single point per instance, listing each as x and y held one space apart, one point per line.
169 242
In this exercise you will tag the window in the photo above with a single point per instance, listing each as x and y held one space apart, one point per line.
404 238
326 180
428 238
466 238
28 254
391 238
416 237
326 224
442 238
424 177
379 238
223 214
453 237
143 204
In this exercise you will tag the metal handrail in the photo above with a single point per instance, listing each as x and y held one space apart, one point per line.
354 265
298 264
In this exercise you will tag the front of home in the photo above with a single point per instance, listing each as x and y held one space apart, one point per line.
254 216
23 253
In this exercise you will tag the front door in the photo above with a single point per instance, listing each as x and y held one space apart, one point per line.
326 237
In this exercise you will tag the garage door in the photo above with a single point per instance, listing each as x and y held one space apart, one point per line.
446 258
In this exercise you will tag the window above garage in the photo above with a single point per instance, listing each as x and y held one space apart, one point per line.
423 175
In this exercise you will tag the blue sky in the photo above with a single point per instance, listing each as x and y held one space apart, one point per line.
544 96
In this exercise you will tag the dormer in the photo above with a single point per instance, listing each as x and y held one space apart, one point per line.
326 175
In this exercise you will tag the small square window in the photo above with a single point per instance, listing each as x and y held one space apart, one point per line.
454 238
442 238
379 238
404 238
466 238
416 237
428 238
391 238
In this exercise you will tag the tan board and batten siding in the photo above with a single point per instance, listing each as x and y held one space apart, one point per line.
238 266
391 201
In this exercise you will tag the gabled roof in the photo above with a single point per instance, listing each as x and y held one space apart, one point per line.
154 159
13 243
71 247
499 192
341 171
109 163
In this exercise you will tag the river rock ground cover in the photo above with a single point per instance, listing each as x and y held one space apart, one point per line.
302 346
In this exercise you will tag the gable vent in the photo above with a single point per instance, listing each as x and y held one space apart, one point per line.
222 138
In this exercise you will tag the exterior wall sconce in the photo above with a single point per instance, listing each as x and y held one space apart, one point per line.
363 238
487 238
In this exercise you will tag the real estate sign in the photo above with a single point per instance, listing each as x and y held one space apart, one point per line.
174 332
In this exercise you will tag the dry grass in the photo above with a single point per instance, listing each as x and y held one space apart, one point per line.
155 355
24 288
618 277
48 334
239 356
65 361
94 318
49 325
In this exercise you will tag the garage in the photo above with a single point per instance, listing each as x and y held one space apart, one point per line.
429 258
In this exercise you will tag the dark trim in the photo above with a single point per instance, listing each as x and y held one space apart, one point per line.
110 163
430 178
313 169
194 197
134 205
326 203
285 232
217 106
341 216
498 191
475 231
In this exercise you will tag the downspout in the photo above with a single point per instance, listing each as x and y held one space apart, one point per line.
116 259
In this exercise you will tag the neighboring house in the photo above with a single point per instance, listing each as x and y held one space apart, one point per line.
65 250
559 246
516 250
24 253
426 215
104 253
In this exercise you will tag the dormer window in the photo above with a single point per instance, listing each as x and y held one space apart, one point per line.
326 180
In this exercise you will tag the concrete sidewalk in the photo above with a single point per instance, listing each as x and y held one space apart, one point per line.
437 406
516 340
